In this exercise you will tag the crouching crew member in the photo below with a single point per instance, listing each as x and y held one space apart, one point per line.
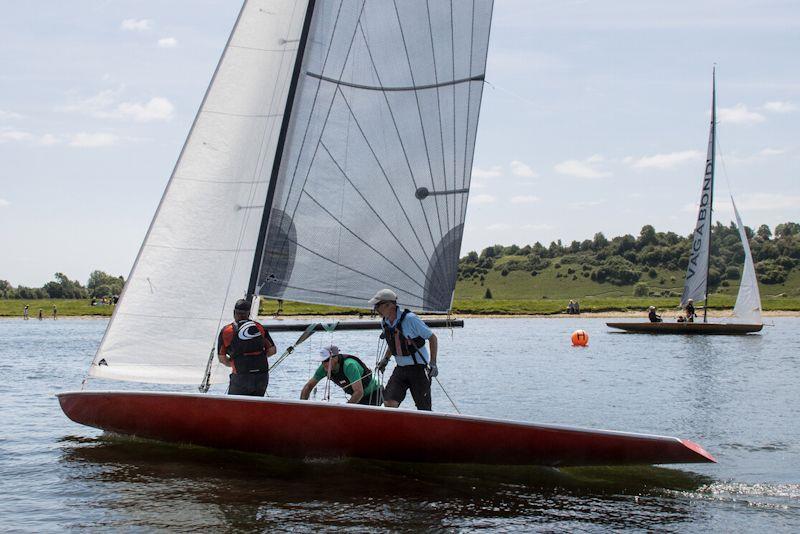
405 335
244 346
350 374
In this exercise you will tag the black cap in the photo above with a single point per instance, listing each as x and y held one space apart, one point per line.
242 306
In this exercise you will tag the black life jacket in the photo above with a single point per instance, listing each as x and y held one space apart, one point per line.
397 340
344 382
248 349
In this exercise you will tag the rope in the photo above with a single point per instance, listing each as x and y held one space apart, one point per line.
446 394
307 333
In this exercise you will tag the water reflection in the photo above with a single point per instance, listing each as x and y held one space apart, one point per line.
138 483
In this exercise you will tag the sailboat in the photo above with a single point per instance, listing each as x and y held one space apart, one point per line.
331 156
746 316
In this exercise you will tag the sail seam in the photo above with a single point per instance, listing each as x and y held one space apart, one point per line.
245 115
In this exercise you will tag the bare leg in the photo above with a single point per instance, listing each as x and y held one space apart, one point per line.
391 403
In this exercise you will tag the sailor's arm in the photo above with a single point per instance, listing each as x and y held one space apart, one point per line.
358 393
433 343
306 392
385 361
224 359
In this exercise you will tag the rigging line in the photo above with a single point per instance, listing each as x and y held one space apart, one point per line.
367 203
382 88
441 130
356 298
362 240
300 152
419 114
388 181
405 156
447 394
261 157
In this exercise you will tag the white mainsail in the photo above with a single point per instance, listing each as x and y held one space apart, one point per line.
196 258
748 302
695 286
365 179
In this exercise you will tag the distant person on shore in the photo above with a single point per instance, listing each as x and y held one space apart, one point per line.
577 307
690 314
244 346
25 313
654 317
40 314
571 307
350 374
55 312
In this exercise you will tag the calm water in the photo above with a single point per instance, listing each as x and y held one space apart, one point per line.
737 396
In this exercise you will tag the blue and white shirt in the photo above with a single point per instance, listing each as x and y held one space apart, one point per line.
413 327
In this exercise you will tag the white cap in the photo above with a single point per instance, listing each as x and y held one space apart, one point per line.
327 352
383 295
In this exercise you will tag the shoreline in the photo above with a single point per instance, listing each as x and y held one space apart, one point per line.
715 314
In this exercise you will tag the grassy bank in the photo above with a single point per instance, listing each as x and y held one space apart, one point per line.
541 306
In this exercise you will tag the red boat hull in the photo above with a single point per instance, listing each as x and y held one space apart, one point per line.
315 429
687 328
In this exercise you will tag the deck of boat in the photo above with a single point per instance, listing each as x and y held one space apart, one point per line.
687 328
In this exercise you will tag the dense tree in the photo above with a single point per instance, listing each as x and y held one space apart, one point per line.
102 285
764 232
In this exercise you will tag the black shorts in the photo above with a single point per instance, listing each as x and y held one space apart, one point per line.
253 384
411 377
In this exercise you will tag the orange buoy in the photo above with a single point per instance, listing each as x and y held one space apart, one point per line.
580 338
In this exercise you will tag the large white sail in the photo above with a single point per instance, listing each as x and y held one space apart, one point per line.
373 183
697 271
197 256
748 302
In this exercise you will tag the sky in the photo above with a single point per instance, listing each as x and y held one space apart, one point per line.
595 118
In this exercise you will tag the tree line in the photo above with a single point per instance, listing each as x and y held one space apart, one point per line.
624 260
99 285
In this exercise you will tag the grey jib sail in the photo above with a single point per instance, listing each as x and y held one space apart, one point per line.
374 175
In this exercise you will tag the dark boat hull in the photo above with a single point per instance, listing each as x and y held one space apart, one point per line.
316 429
687 328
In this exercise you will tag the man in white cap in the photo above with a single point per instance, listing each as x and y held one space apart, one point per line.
405 335
653 316
690 313
349 373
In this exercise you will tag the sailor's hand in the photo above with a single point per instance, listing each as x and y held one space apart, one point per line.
433 370
382 364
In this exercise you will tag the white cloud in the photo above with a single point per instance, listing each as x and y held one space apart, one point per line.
4 203
492 172
664 161
137 25
771 152
167 42
780 107
14 135
156 109
95 140
49 140
524 199
482 199
521 169
586 204
739 114
499 226
582 169
542 226
767 202
8 115
104 105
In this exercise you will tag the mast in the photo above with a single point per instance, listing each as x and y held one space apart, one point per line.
276 163
713 164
